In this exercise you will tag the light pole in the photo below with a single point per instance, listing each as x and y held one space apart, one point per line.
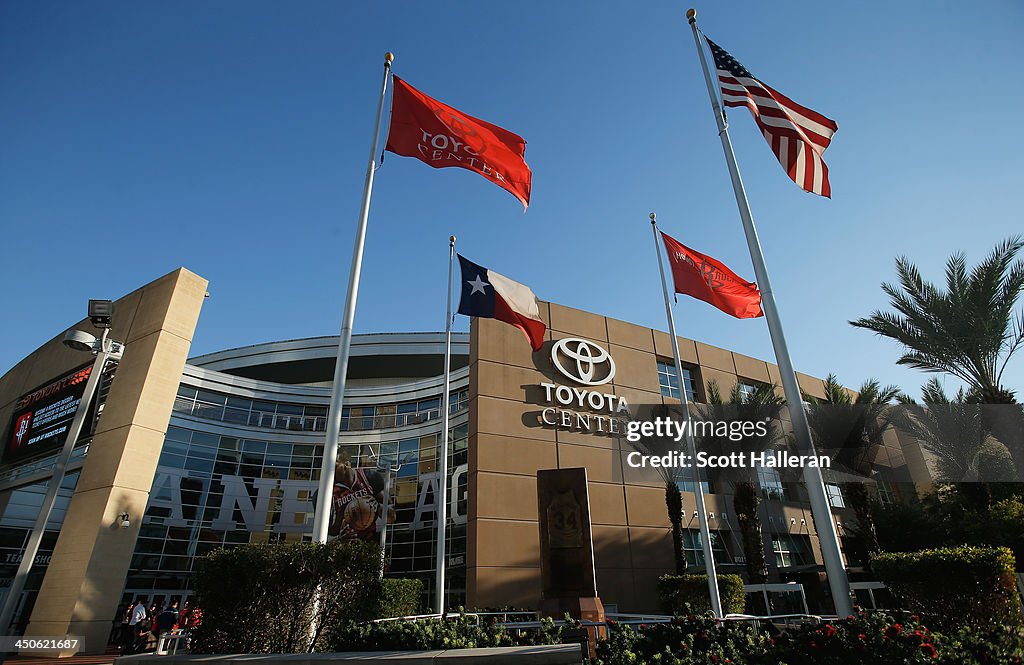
100 312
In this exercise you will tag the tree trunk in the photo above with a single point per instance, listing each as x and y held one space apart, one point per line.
674 504
745 504
859 500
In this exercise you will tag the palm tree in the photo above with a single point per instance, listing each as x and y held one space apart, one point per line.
672 476
968 330
850 430
955 432
851 427
763 403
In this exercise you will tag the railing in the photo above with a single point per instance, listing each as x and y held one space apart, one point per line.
871 588
313 423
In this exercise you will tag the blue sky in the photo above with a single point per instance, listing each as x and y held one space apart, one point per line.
231 138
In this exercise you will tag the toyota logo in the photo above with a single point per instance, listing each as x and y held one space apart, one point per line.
588 363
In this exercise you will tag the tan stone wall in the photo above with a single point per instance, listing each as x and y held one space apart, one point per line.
508 445
83 582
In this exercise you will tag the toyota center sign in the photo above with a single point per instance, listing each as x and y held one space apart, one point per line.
584 363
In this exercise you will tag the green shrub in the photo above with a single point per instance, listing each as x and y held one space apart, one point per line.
259 598
993 644
954 587
688 594
400 596
461 632
692 640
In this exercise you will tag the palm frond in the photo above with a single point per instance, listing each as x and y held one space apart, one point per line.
968 329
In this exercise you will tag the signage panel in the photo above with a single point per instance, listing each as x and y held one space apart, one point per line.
42 417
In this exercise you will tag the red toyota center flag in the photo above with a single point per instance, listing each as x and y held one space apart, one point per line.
442 136
704 278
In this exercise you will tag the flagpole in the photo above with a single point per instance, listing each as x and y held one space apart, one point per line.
442 484
829 539
322 515
702 513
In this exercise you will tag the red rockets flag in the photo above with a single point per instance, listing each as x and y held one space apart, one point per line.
442 136
704 278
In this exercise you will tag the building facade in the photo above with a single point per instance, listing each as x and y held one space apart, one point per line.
226 449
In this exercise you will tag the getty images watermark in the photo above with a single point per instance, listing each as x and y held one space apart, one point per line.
668 429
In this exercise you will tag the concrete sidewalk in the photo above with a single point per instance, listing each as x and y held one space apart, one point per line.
103 659
554 654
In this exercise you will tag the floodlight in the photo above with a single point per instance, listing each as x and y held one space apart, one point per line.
80 341
100 312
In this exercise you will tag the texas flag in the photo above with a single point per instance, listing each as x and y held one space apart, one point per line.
490 295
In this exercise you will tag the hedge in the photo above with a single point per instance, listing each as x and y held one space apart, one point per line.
954 586
460 632
259 598
400 596
688 594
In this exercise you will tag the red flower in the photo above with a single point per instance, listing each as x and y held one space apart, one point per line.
862 636
830 630
893 631
929 650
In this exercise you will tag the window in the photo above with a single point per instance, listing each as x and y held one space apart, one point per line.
886 493
748 388
693 547
771 483
211 405
791 550
668 380
690 486
835 495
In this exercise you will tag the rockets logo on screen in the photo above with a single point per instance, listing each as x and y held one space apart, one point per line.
20 430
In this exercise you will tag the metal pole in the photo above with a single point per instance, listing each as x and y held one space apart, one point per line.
705 530
322 516
59 468
826 528
384 527
442 466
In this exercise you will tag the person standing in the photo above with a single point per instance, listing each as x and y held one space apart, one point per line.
165 622
136 614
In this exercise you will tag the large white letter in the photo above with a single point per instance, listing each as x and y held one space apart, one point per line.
171 479
236 494
294 509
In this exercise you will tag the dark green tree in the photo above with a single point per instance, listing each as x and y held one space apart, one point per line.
958 437
969 329
672 476
762 404
850 429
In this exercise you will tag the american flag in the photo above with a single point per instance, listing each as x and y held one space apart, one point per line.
798 136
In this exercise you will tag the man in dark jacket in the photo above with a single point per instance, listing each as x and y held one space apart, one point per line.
165 623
